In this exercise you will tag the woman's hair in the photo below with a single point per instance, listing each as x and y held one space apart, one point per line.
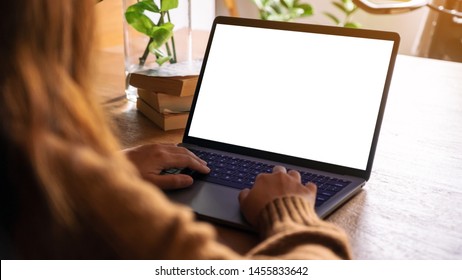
46 99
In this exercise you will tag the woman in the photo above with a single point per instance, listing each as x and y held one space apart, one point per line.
70 193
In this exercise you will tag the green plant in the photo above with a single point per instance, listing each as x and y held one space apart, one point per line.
348 8
287 10
139 16
283 10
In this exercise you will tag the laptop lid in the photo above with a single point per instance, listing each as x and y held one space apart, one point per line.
307 95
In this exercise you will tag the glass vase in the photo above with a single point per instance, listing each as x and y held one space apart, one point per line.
138 56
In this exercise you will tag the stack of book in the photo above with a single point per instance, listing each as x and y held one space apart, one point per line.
166 101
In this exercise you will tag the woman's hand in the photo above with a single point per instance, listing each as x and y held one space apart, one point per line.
269 186
151 159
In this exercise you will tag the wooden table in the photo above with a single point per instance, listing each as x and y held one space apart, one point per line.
411 208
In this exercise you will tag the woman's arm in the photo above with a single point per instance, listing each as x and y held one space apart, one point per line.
140 222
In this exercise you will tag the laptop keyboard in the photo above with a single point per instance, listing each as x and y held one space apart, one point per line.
241 173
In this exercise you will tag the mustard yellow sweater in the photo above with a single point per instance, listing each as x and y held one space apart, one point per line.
118 215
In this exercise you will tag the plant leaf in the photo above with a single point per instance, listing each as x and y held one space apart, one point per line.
140 22
166 5
282 10
349 6
287 3
352 25
162 60
160 36
259 4
149 5
340 6
141 6
161 57
167 25
332 17
295 13
307 9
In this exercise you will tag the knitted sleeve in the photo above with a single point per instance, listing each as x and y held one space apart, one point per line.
139 222
290 222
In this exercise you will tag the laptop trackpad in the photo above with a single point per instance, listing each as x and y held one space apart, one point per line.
212 202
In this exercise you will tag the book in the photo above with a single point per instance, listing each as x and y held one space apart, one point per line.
164 121
166 103
178 85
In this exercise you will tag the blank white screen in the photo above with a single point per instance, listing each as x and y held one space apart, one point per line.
306 95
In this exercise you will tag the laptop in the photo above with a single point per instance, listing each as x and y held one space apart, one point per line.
307 97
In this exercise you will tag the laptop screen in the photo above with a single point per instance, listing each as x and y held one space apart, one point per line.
308 95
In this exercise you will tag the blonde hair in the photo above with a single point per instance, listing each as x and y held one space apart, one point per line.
46 94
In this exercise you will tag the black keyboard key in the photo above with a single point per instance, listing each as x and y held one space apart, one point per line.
327 193
323 187
320 199
241 173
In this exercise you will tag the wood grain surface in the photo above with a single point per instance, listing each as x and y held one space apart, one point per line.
411 208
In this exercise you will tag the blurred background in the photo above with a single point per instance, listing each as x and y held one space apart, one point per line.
424 31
